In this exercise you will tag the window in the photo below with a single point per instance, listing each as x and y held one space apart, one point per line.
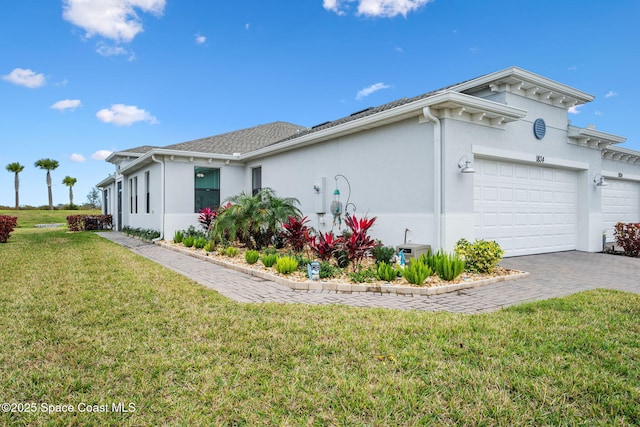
135 193
256 180
207 188
148 192
105 203
130 195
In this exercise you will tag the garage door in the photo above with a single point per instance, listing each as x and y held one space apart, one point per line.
620 203
527 209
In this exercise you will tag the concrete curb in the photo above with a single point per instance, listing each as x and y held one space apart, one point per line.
345 288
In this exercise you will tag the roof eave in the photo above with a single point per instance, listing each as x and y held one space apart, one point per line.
446 99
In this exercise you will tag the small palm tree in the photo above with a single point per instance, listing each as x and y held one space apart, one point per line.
254 220
48 165
70 182
16 168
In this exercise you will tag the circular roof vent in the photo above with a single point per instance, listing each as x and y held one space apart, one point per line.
539 128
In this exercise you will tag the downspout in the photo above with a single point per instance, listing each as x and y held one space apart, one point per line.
162 203
437 177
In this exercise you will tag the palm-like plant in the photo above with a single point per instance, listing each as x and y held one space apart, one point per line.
70 182
48 165
254 220
16 168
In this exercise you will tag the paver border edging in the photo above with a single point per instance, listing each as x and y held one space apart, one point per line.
310 285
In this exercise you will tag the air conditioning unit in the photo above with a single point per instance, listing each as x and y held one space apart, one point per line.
413 250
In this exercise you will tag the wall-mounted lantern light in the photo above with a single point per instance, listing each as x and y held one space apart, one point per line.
464 164
599 181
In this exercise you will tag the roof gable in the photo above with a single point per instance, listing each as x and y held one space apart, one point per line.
240 141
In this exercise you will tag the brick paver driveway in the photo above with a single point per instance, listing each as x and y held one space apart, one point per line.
551 275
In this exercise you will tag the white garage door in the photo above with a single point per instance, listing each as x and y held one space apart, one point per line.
527 209
620 203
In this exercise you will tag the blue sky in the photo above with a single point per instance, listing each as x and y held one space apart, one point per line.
80 79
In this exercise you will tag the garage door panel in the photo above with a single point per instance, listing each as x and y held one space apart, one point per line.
527 209
620 203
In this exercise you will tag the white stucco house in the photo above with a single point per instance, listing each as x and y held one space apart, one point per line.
535 187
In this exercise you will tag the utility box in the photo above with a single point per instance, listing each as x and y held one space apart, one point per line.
413 250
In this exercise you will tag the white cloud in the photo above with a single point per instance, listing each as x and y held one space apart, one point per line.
108 50
375 8
200 39
247 26
371 89
79 158
25 77
66 104
113 19
101 154
125 115
610 94
575 109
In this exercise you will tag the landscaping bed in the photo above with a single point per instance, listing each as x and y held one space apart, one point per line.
299 280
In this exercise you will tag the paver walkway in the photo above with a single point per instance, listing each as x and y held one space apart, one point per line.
551 275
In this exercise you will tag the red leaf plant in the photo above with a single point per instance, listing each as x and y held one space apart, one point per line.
358 243
295 232
324 245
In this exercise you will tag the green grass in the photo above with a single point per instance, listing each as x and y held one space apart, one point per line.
83 320
29 218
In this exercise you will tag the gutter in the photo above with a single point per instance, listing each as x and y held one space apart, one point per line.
437 177
162 198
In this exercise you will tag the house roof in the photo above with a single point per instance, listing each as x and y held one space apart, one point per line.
240 141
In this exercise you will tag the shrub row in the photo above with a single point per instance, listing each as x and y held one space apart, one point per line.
7 224
142 233
627 236
89 222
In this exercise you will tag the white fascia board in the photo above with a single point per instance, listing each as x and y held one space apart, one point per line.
413 109
106 182
121 154
624 151
147 158
475 103
528 76
576 132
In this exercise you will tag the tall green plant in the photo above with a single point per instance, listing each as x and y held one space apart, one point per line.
48 165
254 220
447 266
417 272
16 168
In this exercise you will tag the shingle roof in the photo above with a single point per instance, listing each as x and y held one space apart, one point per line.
139 150
368 112
240 141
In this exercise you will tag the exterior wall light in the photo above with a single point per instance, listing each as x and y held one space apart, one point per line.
599 180
464 164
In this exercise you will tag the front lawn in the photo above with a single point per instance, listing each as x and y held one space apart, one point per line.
85 322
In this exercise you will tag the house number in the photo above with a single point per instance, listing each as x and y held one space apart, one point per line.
540 159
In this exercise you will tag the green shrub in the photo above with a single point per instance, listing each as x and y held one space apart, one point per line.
269 259
178 236
231 251
327 270
383 254
286 265
363 275
210 246
386 272
482 256
188 241
200 243
447 266
251 256
417 272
